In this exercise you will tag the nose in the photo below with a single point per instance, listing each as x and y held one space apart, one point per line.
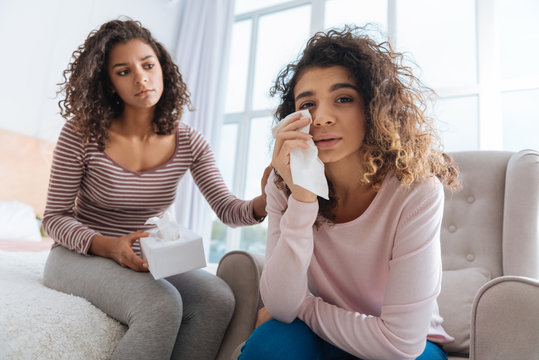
322 117
140 77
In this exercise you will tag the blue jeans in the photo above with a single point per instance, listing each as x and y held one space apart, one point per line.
296 341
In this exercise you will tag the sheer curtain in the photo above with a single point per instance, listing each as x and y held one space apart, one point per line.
203 38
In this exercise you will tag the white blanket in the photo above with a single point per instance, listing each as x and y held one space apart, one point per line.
40 323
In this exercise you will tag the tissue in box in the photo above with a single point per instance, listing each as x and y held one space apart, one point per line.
166 258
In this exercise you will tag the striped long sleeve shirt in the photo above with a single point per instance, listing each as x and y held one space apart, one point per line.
89 193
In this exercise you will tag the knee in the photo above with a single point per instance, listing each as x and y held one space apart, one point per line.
162 303
167 300
276 340
218 295
224 296
58 273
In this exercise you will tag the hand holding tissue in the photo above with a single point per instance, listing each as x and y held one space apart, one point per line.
171 249
306 168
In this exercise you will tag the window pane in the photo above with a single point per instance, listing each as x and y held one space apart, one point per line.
253 238
281 36
226 160
520 114
359 12
259 154
239 67
218 241
226 157
243 6
519 37
440 37
458 124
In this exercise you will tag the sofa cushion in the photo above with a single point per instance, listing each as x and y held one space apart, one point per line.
459 288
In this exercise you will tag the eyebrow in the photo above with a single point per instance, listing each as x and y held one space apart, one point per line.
343 85
125 64
331 89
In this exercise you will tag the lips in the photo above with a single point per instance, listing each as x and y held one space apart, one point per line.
326 141
143 92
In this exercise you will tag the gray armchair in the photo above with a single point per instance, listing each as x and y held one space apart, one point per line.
490 254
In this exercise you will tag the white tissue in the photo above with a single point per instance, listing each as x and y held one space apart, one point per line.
168 229
307 169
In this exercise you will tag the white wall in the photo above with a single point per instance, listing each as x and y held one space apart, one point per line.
37 39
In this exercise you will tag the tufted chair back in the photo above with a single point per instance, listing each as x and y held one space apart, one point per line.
489 229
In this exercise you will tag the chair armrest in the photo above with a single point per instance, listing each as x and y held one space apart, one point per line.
504 320
521 215
241 270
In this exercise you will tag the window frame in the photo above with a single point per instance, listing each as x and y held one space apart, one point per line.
488 88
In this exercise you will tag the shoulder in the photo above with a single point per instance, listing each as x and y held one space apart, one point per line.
426 187
421 197
68 129
190 134
70 136
193 142
404 200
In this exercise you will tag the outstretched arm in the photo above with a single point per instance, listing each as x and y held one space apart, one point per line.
230 209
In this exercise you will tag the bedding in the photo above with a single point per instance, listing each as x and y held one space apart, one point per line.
18 222
40 323
37 322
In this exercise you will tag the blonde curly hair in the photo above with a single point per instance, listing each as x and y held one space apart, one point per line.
400 137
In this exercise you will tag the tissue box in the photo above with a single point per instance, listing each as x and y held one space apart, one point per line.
166 258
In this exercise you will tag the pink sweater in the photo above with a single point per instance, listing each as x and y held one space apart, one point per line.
89 193
368 286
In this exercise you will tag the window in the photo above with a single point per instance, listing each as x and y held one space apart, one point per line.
479 56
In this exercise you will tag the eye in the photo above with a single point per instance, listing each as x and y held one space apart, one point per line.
344 99
149 66
306 105
123 72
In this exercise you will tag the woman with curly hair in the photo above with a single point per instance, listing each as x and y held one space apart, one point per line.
355 276
118 162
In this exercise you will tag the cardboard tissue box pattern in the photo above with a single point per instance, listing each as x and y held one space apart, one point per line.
171 248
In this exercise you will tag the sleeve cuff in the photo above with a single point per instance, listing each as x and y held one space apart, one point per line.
306 305
300 212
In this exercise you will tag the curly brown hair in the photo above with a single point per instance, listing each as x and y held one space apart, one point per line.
89 100
400 137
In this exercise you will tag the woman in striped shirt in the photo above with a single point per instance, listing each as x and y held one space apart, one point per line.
117 162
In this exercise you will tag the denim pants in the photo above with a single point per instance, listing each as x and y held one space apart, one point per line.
276 340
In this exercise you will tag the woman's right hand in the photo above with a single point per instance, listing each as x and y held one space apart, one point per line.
287 138
119 249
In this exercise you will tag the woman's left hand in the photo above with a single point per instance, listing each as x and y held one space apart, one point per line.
263 316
